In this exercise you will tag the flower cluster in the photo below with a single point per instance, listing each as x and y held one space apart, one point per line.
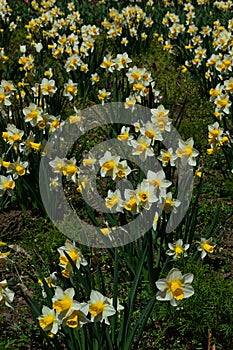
205 51
66 311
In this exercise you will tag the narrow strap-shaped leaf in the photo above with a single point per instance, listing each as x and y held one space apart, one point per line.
115 292
85 283
131 301
141 322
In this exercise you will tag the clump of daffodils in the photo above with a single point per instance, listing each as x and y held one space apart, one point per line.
69 312
66 310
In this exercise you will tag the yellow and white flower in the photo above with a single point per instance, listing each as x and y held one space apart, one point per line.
74 254
12 134
33 114
152 132
175 287
145 194
177 249
4 97
167 156
7 184
108 164
125 134
6 295
159 182
130 203
100 307
170 204
51 281
48 87
121 61
186 152
70 89
123 170
103 95
160 118
141 147
206 246
18 168
63 301
49 321
114 201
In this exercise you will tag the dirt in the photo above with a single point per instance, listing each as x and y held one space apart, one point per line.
17 323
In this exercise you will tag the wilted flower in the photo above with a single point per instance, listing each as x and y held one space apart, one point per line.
74 254
51 281
6 295
170 204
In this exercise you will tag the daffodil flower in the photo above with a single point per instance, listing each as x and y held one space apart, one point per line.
141 148
170 204
108 164
145 194
6 295
7 184
33 114
74 253
206 246
167 156
159 182
49 321
114 201
177 249
175 287
100 307
186 152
